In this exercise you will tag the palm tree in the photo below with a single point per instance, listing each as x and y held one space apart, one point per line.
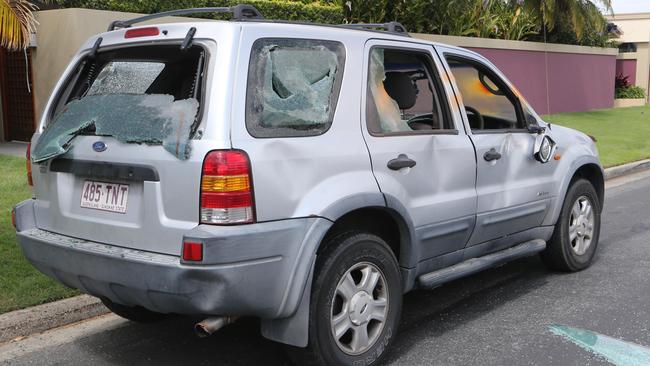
17 21
579 14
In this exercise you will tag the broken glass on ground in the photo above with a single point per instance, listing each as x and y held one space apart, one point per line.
151 119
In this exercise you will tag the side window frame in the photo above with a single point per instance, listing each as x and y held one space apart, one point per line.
334 98
432 72
502 84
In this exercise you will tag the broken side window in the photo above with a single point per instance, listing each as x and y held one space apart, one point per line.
136 95
293 87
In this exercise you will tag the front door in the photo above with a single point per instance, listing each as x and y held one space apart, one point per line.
17 95
422 159
513 188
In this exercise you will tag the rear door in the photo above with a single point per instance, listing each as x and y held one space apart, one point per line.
119 161
421 157
513 188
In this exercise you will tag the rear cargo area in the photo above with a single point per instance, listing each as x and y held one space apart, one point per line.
114 164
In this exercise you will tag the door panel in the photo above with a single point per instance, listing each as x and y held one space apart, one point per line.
513 188
439 190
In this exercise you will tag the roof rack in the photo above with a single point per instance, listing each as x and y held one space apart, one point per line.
239 12
393 27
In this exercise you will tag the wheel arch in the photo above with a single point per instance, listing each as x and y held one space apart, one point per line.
588 168
382 221
594 174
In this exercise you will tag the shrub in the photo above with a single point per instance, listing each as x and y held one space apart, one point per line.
318 12
621 82
631 92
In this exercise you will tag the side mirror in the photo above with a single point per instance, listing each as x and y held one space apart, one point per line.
544 148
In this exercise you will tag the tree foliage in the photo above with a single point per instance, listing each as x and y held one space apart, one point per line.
557 21
16 23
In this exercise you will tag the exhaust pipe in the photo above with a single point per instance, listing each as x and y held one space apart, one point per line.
210 325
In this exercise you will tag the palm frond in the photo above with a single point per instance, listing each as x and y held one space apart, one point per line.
17 21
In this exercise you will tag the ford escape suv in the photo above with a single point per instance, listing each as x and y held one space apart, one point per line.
303 174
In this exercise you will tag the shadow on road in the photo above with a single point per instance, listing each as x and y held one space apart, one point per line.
427 314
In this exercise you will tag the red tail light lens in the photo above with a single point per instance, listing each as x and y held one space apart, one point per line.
192 251
226 189
142 32
28 163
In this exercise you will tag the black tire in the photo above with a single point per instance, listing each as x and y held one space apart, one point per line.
342 253
134 313
559 253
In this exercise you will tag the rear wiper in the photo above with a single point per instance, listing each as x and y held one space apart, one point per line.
189 38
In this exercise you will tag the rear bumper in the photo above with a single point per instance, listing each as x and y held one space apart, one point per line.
257 270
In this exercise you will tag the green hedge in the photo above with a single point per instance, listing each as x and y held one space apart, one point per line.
631 92
298 10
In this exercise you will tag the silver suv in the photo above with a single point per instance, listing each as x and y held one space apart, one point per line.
303 174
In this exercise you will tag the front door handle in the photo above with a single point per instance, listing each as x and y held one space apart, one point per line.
401 161
492 154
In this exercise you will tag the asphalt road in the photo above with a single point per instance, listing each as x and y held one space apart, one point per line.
498 317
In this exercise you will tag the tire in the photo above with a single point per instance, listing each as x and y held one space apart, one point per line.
357 256
137 314
573 244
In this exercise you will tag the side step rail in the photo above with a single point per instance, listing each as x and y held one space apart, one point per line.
436 278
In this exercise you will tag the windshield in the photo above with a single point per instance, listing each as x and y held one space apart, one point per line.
137 95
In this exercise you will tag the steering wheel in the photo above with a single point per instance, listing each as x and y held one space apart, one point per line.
478 115
421 122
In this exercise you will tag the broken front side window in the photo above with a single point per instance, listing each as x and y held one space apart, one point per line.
293 87
124 95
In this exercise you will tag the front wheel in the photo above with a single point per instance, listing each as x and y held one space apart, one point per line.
575 239
356 302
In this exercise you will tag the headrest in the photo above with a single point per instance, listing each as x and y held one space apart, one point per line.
400 87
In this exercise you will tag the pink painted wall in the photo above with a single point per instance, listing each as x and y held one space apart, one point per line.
627 68
577 82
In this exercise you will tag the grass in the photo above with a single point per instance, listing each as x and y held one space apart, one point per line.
623 134
21 285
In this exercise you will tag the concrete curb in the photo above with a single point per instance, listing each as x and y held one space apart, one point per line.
25 322
36 319
620 170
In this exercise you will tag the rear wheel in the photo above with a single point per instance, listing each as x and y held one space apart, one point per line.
355 303
575 239
134 313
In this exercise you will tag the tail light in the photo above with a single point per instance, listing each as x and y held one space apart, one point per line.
28 163
142 32
226 189
192 251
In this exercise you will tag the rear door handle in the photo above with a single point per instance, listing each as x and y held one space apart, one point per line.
401 161
492 154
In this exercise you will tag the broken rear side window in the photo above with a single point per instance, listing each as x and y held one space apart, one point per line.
293 87
147 94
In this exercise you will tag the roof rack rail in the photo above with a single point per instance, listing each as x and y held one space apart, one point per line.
239 12
393 27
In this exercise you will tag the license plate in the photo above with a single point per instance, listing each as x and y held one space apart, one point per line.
105 196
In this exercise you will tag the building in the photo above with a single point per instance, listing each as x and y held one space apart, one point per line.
633 59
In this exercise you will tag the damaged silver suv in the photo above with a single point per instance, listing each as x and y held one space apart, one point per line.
303 174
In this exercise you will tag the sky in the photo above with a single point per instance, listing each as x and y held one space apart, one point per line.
630 6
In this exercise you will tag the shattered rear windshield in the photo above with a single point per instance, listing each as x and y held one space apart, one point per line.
293 86
144 95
